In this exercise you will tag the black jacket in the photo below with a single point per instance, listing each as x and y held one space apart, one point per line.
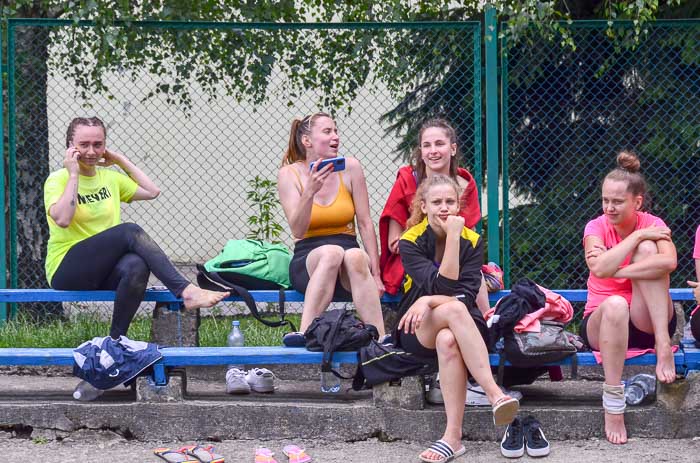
417 250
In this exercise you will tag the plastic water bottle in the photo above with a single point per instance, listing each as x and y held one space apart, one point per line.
330 383
634 394
640 389
86 392
235 339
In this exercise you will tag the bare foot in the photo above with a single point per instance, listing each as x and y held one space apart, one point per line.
195 297
429 455
615 429
665 364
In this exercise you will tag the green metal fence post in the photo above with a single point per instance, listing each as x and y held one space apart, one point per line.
504 160
491 49
3 251
478 151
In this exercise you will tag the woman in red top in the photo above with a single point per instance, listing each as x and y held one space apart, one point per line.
630 256
436 154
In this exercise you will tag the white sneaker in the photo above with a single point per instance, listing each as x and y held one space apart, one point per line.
236 382
434 394
477 397
260 380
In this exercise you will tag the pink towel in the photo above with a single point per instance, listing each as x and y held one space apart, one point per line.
631 353
556 308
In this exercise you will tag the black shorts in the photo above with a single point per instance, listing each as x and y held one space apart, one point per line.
637 338
298 274
410 343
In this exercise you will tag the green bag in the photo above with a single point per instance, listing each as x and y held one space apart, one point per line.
253 264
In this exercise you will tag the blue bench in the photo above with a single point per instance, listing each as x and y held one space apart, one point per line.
687 358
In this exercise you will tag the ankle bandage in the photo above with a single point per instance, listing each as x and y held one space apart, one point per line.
614 399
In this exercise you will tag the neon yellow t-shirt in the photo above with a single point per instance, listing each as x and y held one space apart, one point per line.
98 209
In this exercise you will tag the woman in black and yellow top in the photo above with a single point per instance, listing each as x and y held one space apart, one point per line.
88 247
442 259
321 206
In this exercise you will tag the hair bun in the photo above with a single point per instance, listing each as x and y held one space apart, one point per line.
628 161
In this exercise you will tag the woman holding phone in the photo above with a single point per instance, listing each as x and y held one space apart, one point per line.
321 206
88 247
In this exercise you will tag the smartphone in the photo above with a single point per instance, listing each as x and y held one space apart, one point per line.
338 164
73 146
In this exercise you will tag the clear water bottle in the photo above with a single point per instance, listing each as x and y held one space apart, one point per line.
330 383
86 392
640 389
634 393
235 337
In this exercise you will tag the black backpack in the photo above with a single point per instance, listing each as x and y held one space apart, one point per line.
226 281
381 363
337 330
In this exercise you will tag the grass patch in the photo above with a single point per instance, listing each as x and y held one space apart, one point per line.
214 330
25 331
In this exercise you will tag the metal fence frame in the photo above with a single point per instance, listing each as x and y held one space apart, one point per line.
497 160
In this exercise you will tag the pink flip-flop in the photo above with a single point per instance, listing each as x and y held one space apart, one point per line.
296 454
264 455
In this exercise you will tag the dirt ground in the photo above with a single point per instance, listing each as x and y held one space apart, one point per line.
98 447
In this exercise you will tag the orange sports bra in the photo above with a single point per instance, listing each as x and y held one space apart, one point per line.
336 218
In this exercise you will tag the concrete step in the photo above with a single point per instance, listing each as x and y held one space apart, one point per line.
297 409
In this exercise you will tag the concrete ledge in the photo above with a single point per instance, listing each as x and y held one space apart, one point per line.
567 410
409 393
174 391
249 420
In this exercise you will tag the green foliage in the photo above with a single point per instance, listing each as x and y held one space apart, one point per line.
238 62
570 112
263 196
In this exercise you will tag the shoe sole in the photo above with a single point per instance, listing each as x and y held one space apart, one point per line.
270 388
505 413
238 390
513 453
543 452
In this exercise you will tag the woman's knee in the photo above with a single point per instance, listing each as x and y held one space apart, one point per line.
446 343
616 310
330 255
133 268
455 309
645 249
129 228
356 260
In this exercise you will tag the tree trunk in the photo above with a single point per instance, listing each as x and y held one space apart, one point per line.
32 144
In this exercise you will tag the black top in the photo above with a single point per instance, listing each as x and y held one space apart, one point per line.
417 250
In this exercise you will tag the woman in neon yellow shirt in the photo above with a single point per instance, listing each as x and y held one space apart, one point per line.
88 247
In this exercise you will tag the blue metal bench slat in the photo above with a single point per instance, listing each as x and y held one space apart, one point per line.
190 356
160 295
36 356
181 356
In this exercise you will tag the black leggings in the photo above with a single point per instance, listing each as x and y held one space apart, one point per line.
118 259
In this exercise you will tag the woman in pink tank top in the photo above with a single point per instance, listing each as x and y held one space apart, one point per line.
630 256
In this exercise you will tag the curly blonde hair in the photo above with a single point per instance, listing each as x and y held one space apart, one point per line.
417 215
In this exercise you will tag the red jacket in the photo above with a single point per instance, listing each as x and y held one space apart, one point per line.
398 208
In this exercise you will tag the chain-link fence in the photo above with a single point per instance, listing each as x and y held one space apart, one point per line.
204 109
569 112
